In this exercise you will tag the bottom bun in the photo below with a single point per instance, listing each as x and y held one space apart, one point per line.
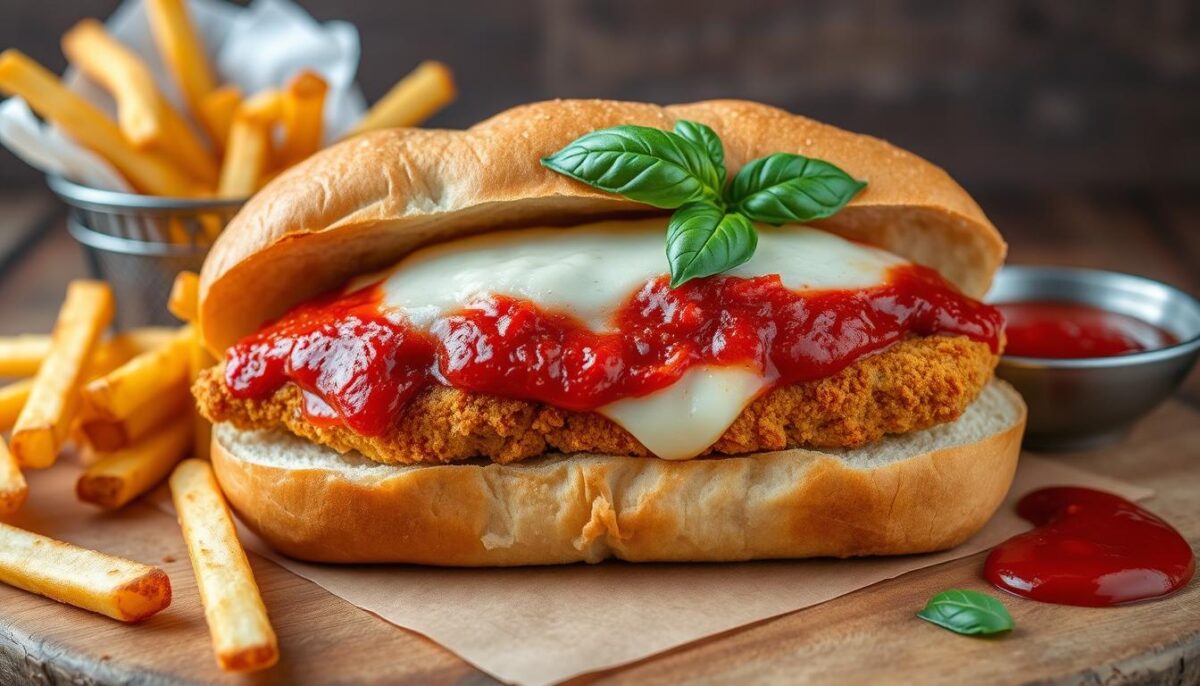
924 491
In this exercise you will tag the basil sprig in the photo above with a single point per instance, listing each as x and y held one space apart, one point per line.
967 612
684 170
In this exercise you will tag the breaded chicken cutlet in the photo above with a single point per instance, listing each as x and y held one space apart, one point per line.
915 384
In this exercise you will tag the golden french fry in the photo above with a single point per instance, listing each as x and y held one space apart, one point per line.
243 639
107 435
46 418
185 294
119 476
13 489
217 111
266 107
143 114
182 52
22 355
109 355
118 394
303 117
122 589
413 99
147 172
248 154
12 399
136 341
200 360
176 232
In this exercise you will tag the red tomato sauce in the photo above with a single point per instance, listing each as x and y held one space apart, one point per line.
1090 548
359 363
1064 330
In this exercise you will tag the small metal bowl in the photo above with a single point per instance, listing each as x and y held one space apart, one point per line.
1078 404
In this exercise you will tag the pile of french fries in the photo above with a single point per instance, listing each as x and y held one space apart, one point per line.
124 402
227 144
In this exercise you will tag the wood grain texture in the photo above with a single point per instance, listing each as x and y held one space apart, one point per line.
868 636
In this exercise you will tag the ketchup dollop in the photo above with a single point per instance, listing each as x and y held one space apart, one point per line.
1071 330
359 363
1090 548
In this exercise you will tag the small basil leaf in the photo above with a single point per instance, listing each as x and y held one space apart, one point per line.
967 612
706 138
649 165
703 239
783 187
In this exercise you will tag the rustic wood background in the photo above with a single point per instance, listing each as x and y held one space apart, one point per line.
1006 94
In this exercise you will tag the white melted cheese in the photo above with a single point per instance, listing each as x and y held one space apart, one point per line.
590 271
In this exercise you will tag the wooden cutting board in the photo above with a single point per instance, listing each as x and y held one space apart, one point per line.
869 636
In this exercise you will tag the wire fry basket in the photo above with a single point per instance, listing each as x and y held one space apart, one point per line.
138 243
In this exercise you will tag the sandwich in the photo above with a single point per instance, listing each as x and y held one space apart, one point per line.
583 330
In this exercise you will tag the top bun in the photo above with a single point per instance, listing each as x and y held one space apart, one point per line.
364 203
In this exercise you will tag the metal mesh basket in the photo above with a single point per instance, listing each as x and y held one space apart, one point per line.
138 243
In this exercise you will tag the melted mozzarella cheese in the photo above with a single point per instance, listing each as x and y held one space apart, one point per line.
681 420
591 271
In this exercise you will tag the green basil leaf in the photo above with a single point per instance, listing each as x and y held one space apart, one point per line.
649 165
703 239
706 138
967 612
783 187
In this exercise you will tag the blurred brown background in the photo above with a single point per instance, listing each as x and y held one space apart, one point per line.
1010 94
1075 123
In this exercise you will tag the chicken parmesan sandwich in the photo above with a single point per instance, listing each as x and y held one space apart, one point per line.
592 329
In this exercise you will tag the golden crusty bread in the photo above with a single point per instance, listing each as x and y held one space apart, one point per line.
924 491
363 204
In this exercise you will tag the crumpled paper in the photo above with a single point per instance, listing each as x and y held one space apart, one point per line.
256 47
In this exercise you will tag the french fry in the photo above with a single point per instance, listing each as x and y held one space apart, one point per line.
303 119
107 435
147 172
112 586
262 108
46 417
200 360
22 355
143 114
13 489
183 52
185 294
177 233
248 154
119 476
118 394
243 639
217 111
111 354
413 99
184 303
136 341
12 399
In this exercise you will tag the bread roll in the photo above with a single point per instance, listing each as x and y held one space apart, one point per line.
920 492
365 203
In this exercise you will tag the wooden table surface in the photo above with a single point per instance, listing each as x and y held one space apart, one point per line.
868 636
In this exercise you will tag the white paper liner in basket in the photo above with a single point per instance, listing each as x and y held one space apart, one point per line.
256 47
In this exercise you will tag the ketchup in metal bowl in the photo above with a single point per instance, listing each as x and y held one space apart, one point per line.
1066 330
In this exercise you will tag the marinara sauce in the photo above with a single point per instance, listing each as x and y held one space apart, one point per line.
1090 548
1063 330
359 363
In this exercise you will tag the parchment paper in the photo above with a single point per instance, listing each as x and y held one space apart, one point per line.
540 625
